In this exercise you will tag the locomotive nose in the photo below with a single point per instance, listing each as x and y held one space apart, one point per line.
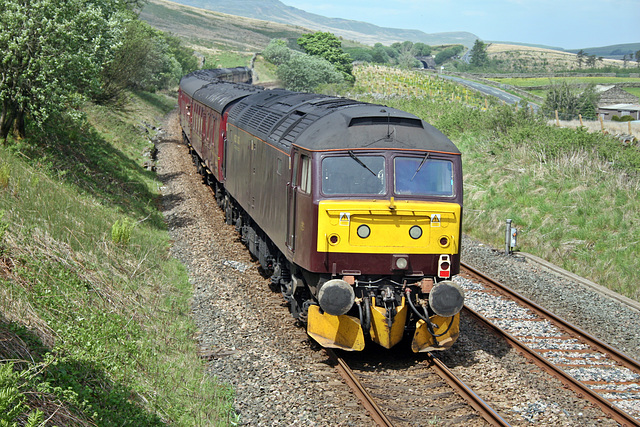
446 298
336 297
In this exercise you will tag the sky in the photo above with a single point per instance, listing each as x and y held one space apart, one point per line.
569 24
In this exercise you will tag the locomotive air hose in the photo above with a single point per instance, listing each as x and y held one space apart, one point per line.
426 319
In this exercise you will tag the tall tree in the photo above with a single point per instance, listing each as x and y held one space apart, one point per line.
52 49
580 57
479 57
328 46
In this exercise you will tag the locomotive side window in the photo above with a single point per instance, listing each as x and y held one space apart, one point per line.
305 175
423 176
353 174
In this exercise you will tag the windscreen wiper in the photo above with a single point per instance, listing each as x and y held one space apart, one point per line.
419 167
354 157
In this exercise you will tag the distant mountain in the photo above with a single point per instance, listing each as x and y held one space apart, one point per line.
616 51
363 32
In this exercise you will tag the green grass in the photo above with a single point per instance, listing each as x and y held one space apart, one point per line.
573 194
635 91
99 330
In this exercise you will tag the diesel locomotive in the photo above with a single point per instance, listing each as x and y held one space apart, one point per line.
353 209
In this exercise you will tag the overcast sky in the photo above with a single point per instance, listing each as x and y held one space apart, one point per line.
568 24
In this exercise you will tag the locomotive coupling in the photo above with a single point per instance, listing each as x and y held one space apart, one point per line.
446 298
336 297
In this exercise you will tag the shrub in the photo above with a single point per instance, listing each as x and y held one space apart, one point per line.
305 73
626 118
121 231
277 52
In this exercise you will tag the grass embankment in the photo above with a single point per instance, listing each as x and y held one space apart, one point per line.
573 194
95 319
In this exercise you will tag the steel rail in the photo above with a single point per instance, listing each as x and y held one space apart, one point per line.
617 355
367 401
487 413
605 405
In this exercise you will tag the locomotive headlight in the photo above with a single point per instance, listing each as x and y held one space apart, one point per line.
334 239
415 232
364 231
444 241
400 262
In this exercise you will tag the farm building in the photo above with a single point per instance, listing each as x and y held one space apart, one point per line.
615 101
608 111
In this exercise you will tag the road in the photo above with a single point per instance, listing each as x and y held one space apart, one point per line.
489 90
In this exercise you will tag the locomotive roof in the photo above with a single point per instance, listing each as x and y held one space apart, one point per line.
320 122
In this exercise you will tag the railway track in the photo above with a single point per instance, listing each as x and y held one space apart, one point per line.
401 391
602 375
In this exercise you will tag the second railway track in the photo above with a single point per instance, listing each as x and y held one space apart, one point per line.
601 374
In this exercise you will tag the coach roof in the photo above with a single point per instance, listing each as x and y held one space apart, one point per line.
320 122
218 95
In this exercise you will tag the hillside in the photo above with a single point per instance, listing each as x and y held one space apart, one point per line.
614 51
276 11
215 31
523 59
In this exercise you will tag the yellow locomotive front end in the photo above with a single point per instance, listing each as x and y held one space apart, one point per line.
390 259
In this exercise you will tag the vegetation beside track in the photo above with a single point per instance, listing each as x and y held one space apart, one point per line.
95 317
572 193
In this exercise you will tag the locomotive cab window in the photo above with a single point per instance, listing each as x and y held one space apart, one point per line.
423 176
305 175
353 174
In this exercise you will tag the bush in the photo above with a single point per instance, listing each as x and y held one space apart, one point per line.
277 52
121 231
626 118
305 73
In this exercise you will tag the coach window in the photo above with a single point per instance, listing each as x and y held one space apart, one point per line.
305 175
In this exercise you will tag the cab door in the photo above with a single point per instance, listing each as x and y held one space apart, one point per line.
292 187
300 209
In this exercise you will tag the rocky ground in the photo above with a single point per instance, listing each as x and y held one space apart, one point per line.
282 378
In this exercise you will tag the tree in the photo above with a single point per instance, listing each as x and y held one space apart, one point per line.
144 60
406 59
638 57
479 57
591 61
570 101
277 52
448 53
379 54
421 49
328 46
580 57
51 50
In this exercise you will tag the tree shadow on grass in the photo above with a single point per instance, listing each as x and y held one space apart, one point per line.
81 157
68 391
